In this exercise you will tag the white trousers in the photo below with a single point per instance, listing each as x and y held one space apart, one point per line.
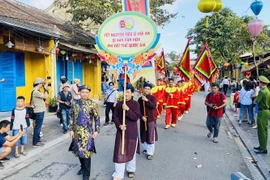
120 167
150 148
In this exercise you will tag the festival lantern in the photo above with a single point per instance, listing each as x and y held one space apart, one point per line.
246 65
57 50
256 7
63 52
217 8
255 27
206 6
226 64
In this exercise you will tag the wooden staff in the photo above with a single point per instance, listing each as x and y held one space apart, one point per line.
144 109
144 114
124 112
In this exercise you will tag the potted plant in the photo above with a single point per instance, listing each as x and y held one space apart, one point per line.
53 104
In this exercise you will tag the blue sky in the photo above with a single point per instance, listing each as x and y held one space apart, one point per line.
173 35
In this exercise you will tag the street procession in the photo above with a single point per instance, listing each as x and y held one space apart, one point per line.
134 89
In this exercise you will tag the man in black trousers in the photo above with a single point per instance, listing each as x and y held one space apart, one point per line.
111 96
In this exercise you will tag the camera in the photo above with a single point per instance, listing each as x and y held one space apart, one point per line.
214 106
49 83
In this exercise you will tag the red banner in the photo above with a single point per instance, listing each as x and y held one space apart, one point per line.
141 6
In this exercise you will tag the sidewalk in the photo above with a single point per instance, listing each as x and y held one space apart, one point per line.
53 134
250 138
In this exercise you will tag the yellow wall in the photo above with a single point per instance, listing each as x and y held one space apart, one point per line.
36 65
92 78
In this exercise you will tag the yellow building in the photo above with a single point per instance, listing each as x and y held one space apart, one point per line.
31 42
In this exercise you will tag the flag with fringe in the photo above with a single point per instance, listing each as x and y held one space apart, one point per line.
147 71
161 63
184 64
205 67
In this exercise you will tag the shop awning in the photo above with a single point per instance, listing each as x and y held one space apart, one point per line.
78 48
251 68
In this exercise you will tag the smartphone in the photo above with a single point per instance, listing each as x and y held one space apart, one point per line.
21 127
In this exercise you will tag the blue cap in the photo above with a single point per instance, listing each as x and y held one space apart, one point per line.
129 86
84 87
147 85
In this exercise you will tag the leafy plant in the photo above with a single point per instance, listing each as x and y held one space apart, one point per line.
52 101
120 97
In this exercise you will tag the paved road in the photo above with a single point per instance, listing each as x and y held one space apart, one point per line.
173 159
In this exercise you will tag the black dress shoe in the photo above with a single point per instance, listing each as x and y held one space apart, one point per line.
105 124
80 172
261 151
257 148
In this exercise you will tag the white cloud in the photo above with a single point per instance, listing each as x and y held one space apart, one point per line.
41 4
171 34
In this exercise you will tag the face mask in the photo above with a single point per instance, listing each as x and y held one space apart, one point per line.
111 87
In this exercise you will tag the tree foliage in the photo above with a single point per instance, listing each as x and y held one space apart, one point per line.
228 36
98 10
173 59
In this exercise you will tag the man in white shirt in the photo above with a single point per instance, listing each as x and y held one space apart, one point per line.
225 84
206 86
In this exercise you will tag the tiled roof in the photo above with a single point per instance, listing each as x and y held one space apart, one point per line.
19 15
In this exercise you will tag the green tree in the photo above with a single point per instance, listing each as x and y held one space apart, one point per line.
173 59
228 36
98 10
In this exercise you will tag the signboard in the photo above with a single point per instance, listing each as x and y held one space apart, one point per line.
127 34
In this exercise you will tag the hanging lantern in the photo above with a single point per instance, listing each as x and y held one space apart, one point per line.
246 65
93 57
57 50
74 54
206 6
226 64
255 27
63 52
82 57
256 7
242 63
218 6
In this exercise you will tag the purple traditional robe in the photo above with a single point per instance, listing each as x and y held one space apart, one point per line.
131 133
150 135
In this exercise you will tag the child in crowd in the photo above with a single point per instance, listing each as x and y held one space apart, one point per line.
236 102
20 116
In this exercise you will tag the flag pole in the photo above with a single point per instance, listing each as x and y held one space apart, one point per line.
144 109
124 112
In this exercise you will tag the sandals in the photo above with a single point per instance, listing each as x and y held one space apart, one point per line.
149 157
144 152
131 174
24 153
16 155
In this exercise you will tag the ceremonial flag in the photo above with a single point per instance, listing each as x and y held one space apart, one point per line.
141 6
161 63
184 64
204 66
147 71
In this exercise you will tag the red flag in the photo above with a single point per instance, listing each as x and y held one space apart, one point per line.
184 64
141 6
205 66
161 63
